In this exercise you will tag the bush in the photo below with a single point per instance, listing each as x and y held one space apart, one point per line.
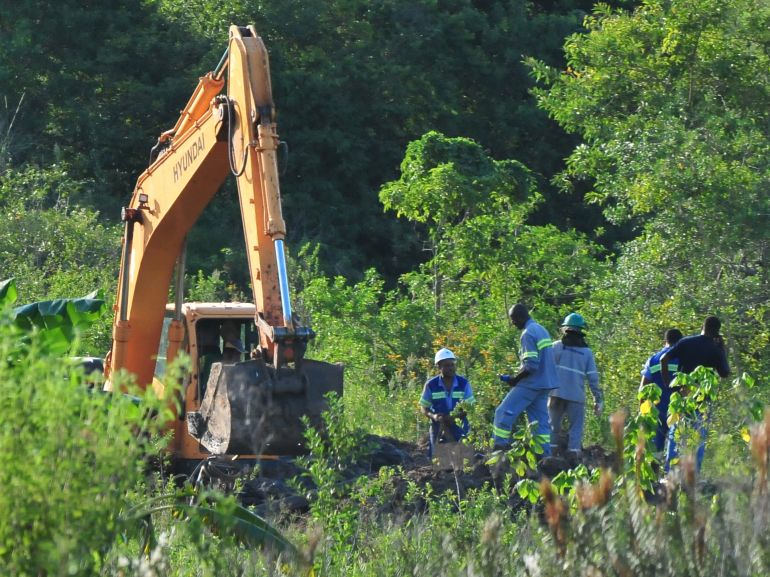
68 458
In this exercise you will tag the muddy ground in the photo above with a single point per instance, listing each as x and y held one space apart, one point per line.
280 486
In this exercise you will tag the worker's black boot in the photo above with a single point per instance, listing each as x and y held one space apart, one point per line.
574 457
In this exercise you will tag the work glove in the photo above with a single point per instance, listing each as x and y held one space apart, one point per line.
510 380
598 408
441 418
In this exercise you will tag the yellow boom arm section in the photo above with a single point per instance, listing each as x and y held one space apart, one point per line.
218 133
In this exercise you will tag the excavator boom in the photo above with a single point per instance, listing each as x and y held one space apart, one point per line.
228 127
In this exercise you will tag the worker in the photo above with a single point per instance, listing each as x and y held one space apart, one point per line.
651 373
704 350
232 346
207 337
575 365
531 385
440 397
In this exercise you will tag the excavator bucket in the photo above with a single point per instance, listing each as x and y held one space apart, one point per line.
251 408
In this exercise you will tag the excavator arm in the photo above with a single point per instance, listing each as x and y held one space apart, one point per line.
255 165
216 134
228 127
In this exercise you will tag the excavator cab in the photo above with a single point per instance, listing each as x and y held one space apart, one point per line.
233 401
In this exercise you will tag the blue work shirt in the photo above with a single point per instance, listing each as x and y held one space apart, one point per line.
575 365
651 371
537 357
700 351
437 399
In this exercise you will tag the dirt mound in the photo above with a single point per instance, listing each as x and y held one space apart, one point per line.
283 486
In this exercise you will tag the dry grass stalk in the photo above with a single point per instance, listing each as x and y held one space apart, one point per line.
591 496
641 445
617 424
555 514
760 445
491 532
689 474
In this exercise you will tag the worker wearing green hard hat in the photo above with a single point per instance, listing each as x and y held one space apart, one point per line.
575 365
575 321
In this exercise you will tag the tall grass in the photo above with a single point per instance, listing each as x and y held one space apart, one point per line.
73 476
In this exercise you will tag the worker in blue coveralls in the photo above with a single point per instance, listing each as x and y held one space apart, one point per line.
651 374
575 365
440 397
531 385
704 350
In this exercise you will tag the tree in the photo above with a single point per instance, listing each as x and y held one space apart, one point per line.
53 248
92 85
484 257
355 81
476 209
672 101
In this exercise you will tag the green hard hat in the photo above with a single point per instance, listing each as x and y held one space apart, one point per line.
574 320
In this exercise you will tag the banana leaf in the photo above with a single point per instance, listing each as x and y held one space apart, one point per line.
7 293
57 321
246 527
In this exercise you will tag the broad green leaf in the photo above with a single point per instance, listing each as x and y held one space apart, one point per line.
7 292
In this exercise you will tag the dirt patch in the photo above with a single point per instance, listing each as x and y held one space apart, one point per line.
282 486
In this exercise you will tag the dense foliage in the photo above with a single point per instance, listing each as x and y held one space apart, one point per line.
354 82
672 103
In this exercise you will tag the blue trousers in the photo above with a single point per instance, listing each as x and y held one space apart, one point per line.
672 452
661 433
576 415
518 400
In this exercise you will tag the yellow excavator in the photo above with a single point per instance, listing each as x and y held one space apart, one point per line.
249 384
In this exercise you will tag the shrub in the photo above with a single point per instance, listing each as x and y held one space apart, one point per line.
68 458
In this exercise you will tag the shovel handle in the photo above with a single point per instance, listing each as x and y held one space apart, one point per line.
447 432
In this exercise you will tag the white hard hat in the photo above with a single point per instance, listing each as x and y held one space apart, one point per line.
444 354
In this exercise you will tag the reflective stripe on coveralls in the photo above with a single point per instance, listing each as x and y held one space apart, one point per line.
531 392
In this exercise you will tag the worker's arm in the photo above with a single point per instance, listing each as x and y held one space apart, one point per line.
468 397
430 414
426 404
523 372
723 368
664 372
646 374
529 356
592 375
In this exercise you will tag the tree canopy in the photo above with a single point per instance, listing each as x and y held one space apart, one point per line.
354 83
672 104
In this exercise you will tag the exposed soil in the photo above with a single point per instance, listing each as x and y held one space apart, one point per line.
281 486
